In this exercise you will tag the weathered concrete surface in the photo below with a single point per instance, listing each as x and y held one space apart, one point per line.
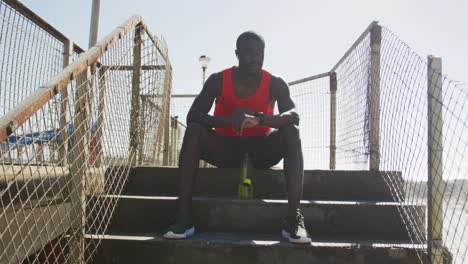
238 248
26 228
337 205
268 184
21 183
358 220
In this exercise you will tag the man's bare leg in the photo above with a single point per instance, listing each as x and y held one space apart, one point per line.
199 142
286 142
189 160
197 139
293 166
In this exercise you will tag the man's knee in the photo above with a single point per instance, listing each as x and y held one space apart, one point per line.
195 130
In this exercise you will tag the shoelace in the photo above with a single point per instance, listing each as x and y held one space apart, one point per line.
300 219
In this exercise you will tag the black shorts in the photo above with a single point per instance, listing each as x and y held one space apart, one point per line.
264 151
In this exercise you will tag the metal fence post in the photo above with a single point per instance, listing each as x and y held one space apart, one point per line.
374 97
333 88
435 162
79 164
171 141
176 140
166 149
158 142
162 136
100 121
166 109
141 145
134 120
63 148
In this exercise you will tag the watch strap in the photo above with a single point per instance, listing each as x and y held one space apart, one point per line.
261 118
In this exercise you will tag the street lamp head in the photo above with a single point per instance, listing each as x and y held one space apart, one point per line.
204 61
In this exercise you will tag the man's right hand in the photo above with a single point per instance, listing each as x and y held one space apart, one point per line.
237 119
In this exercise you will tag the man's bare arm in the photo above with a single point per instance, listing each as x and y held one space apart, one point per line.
288 115
202 104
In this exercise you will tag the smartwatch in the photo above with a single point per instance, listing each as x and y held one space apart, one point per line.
261 118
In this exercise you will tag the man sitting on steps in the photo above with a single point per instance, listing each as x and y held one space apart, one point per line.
243 120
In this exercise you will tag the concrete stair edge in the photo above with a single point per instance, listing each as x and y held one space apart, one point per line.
318 184
226 248
363 219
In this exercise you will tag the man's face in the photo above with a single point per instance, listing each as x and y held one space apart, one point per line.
250 55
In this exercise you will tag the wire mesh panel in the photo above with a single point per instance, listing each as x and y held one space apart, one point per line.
403 131
454 164
65 165
397 113
180 105
31 52
150 115
312 99
352 148
427 145
119 108
29 56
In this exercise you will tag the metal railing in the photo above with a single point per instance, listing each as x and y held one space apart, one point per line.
69 143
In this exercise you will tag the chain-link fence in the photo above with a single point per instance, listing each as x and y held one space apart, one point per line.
423 134
310 96
68 144
26 42
388 109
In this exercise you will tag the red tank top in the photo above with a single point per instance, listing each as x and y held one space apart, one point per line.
258 102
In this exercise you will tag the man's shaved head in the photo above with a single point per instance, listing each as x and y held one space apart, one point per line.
249 35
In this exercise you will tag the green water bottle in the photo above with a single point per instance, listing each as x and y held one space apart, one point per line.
245 188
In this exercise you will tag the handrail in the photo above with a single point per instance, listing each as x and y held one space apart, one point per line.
156 44
322 75
314 77
184 95
361 37
40 22
181 124
32 103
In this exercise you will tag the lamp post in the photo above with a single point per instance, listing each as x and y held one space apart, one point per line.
204 63
94 25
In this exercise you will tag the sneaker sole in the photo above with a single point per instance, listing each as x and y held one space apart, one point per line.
172 235
301 240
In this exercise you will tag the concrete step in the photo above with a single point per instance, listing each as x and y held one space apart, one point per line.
26 228
21 183
228 248
268 184
334 219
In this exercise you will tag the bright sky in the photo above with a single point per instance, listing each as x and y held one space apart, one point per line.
303 38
